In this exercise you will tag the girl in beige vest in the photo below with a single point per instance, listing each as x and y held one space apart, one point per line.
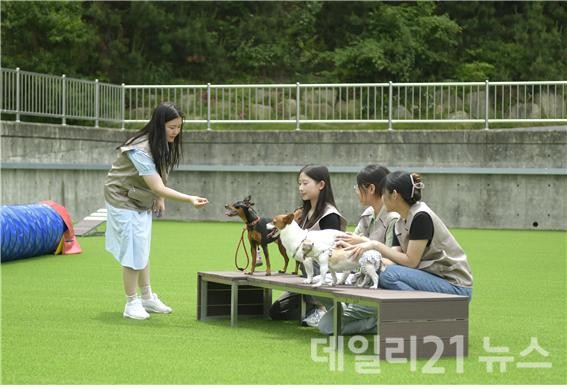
425 255
376 223
319 212
136 186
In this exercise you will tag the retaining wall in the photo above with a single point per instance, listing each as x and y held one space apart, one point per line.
513 178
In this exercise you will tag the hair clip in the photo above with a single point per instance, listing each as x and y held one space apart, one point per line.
415 185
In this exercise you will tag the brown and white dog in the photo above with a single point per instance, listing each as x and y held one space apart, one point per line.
307 246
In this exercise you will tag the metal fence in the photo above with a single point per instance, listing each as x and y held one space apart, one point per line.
32 94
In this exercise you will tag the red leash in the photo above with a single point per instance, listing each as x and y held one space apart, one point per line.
241 241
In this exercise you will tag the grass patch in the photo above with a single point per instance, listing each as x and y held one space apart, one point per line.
62 318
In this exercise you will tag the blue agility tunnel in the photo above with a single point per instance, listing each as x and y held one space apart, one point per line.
31 230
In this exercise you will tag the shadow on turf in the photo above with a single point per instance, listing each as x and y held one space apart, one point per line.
273 329
115 318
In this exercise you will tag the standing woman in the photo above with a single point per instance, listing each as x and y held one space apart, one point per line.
425 256
136 185
319 212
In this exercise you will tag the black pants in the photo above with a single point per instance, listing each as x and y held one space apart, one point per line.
288 305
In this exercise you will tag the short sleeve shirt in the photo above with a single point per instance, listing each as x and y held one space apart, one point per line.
421 229
143 162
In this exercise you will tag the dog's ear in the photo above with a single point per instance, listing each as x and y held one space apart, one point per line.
288 218
298 213
248 200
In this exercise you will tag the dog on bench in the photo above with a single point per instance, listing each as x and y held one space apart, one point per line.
307 246
259 234
371 265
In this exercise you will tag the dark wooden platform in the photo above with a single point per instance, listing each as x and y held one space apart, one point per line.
425 323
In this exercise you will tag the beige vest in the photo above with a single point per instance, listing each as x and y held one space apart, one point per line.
124 187
444 257
328 210
379 228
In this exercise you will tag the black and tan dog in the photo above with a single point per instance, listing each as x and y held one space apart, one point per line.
258 233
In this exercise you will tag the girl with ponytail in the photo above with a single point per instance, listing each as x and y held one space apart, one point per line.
424 254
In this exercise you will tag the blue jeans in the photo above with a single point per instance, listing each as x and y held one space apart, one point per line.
399 277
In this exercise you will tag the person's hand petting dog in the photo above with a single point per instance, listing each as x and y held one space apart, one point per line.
357 249
352 238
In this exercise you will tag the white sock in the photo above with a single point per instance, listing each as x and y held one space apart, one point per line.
146 292
129 299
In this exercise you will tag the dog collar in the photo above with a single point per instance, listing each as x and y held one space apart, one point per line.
299 246
253 223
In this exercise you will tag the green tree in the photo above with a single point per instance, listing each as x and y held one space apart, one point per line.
45 37
511 40
400 42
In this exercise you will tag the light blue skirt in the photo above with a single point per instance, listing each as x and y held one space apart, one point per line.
128 236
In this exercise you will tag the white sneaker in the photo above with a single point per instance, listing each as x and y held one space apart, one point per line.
155 305
135 310
313 319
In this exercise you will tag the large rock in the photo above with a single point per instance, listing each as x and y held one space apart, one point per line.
458 115
317 111
401 112
319 96
286 108
350 110
447 101
525 111
260 112
475 105
552 105
265 95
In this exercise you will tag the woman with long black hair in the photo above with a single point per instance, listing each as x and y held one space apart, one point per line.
136 186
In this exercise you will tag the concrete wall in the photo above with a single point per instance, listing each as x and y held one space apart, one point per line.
485 179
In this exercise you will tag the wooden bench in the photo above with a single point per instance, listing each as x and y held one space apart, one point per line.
424 323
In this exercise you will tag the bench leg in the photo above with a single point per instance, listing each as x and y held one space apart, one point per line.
267 301
203 288
337 317
302 309
233 304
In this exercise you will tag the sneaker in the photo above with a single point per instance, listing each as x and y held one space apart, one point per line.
135 310
155 305
313 319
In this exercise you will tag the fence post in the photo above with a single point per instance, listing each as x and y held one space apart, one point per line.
17 95
486 106
209 106
297 106
63 100
97 96
123 98
390 92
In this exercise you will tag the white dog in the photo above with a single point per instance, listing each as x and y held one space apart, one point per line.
306 246
371 265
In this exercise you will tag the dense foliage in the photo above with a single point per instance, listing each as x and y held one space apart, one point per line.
224 42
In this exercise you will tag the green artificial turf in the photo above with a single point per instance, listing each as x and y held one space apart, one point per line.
62 318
